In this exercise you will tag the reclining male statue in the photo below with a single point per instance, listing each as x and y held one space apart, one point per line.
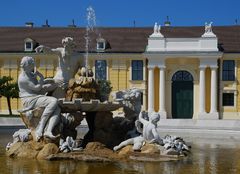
148 132
32 90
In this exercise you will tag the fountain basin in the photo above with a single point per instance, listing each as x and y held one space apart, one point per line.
93 105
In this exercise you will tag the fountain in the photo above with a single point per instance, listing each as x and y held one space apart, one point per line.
52 120
91 23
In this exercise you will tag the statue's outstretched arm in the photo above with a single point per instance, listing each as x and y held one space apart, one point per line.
47 50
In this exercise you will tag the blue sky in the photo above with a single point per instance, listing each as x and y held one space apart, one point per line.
120 13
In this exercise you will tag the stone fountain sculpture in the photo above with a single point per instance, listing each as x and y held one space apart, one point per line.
52 119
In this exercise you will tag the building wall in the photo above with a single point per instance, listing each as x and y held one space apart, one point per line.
230 112
119 73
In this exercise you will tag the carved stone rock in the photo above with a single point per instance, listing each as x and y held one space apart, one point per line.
32 150
47 150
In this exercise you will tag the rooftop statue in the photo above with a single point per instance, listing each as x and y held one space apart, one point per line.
155 29
159 29
32 95
67 65
208 27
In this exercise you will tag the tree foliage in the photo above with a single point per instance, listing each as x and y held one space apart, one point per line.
8 89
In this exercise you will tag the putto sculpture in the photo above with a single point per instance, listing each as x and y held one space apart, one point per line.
146 125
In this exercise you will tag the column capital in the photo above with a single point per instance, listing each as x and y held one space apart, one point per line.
202 67
214 67
151 67
161 66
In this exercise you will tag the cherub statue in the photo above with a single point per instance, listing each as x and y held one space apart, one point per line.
148 132
32 95
67 66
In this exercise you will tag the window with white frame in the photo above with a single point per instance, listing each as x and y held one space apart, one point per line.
137 69
101 45
28 44
101 69
228 70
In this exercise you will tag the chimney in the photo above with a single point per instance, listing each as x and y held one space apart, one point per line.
167 23
46 24
72 25
29 24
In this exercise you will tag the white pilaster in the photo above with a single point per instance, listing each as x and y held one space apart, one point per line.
162 107
202 92
213 90
213 114
213 110
150 89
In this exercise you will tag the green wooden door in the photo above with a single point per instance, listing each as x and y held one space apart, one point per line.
182 99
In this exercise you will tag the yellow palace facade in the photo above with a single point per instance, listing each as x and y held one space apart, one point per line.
183 72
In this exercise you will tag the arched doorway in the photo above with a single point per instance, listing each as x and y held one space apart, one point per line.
182 95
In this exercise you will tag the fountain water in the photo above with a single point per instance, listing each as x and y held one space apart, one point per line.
91 23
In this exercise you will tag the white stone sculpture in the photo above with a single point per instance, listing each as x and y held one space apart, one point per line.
159 29
155 29
208 30
175 144
22 135
32 95
148 132
67 64
69 145
131 101
208 27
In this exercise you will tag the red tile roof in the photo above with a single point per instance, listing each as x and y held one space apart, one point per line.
124 40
